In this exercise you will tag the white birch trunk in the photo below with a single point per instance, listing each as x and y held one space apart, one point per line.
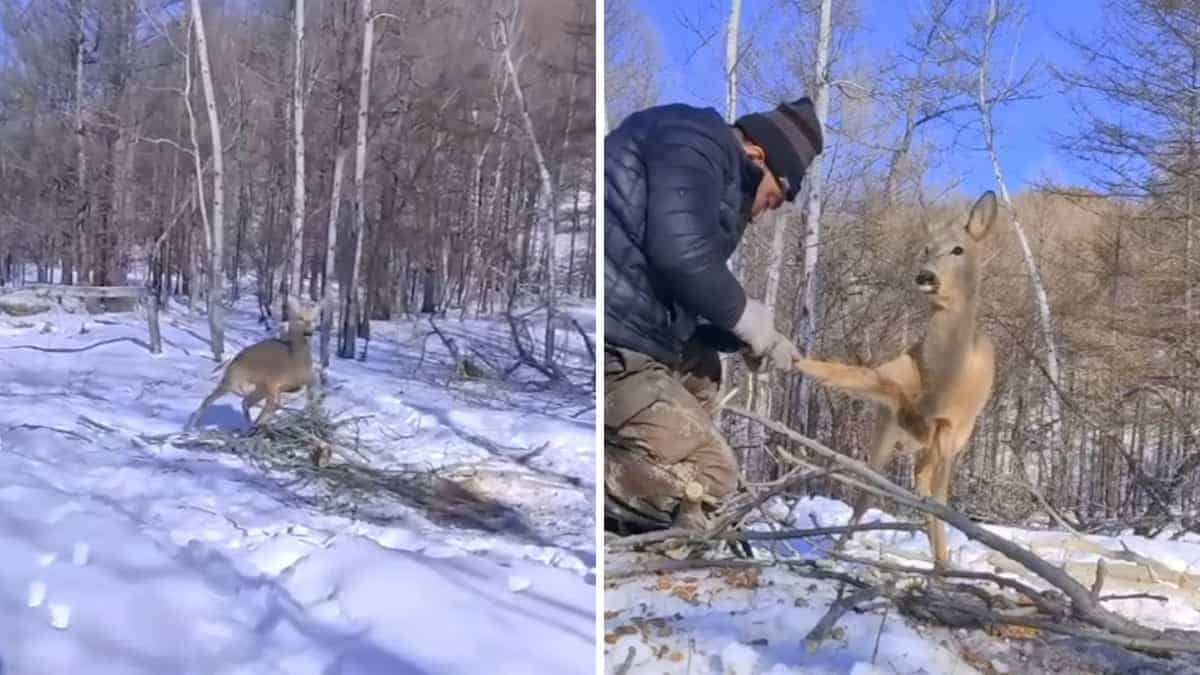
545 199
216 279
812 235
298 185
198 168
335 204
350 293
1054 404
731 60
779 222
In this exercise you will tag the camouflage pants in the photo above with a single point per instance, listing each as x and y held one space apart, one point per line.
664 456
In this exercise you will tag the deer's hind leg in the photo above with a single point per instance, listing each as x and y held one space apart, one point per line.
208 400
250 401
886 434
271 394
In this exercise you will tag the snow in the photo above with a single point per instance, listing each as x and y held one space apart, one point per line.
120 554
754 621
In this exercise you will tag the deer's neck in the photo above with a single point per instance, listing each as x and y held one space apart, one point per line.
948 341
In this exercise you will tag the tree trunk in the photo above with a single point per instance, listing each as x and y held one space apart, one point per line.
350 293
298 186
81 196
812 236
1035 277
731 62
216 277
546 208
335 202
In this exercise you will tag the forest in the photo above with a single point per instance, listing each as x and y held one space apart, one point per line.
386 158
1089 289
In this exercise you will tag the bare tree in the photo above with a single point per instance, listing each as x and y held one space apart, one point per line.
81 186
216 253
812 236
350 304
1035 277
298 186
731 60
631 61
546 208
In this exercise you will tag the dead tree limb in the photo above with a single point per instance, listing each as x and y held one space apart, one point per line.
1083 605
700 536
825 626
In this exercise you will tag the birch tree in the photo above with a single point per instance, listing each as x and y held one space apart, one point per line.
731 91
1054 402
346 347
216 239
731 60
815 179
546 207
298 185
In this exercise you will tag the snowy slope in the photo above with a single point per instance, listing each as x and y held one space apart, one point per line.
124 556
755 621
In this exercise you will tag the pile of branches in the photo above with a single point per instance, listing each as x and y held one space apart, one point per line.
954 598
294 449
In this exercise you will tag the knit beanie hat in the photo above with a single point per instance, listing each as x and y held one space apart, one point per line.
791 137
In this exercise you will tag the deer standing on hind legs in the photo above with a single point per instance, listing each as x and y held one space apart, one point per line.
263 371
930 395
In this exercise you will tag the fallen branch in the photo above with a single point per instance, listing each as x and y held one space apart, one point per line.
825 626
1083 605
700 536
41 427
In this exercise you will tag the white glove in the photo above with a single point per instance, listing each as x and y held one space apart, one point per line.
767 347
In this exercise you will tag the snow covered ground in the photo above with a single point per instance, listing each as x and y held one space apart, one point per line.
119 555
754 621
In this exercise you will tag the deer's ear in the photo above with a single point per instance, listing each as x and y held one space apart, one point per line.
983 216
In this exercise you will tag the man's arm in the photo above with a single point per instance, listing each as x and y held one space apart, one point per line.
684 183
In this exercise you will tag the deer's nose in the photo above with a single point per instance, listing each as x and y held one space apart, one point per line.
925 278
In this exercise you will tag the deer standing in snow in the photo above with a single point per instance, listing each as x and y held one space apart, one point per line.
931 394
263 371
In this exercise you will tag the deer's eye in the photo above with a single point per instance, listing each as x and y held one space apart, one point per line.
958 250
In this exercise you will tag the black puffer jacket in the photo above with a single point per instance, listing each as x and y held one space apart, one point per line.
677 196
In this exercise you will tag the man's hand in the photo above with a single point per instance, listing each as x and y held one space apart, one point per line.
767 348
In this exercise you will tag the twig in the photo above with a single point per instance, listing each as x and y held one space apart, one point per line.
699 536
821 631
627 664
1135 596
879 634
660 566
65 432
1043 602
1101 572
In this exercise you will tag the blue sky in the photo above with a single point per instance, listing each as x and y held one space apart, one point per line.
693 72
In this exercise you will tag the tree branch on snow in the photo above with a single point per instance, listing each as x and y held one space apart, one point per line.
1084 606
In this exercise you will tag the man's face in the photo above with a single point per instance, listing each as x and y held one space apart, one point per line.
770 194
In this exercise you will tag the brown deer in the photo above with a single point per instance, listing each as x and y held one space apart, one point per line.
263 371
930 395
